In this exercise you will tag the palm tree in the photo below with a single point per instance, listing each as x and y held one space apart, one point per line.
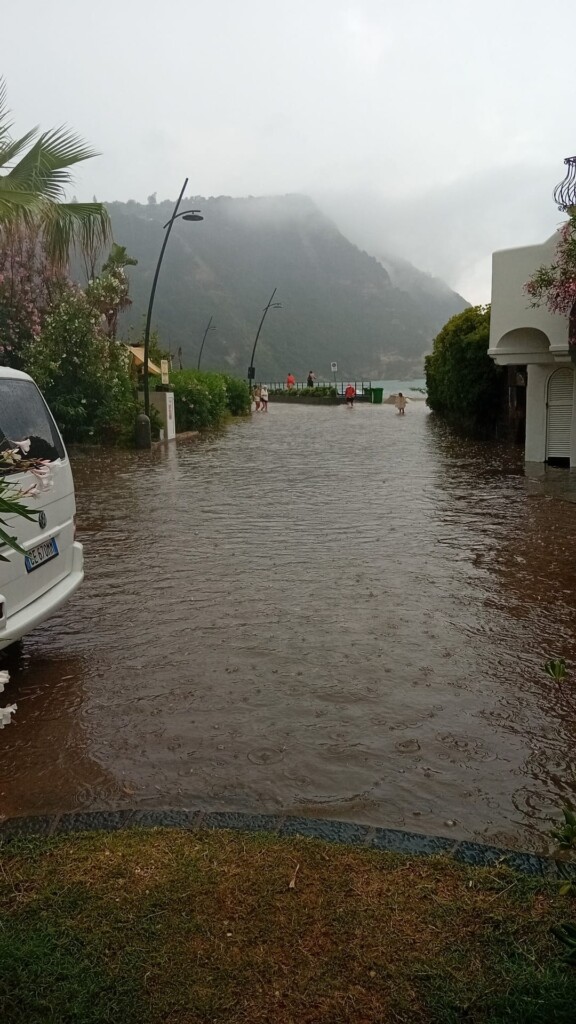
34 175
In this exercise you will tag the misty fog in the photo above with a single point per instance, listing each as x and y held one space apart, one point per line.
432 132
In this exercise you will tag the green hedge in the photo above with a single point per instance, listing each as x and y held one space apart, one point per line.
204 400
319 392
464 385
237 395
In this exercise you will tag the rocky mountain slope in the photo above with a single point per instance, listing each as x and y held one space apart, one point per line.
376 318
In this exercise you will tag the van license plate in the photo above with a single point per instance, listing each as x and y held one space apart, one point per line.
43 553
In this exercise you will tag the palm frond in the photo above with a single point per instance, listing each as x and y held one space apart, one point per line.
32 191
17 201
83 225
5 124
11 148
46 165
65 147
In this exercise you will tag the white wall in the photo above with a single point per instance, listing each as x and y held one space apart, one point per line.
511 311
537 383
536 338
163 401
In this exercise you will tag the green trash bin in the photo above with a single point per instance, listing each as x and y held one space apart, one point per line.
376 396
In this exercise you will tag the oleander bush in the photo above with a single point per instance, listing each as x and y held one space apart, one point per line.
83 374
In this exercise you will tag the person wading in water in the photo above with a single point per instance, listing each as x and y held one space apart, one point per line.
350 395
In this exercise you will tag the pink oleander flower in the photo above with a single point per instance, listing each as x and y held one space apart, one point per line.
554 286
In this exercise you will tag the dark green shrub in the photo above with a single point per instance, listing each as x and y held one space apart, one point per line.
200 399
83 374
321 391
237 395
464 385
115 419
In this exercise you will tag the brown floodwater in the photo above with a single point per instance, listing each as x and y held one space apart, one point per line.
320 611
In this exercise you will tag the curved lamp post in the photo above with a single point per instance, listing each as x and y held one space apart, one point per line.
271 305
186 215
209 327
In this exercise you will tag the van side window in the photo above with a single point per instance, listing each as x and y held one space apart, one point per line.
25 415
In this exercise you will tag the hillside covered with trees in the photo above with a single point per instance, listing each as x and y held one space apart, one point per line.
338 303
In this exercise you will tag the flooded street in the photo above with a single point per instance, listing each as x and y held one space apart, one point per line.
320 611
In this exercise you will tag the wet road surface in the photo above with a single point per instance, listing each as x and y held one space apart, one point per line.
319 611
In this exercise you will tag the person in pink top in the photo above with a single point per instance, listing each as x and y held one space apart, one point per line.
290 381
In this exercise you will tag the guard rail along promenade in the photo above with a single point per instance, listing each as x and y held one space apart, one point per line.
323 392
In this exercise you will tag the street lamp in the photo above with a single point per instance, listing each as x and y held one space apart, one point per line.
271 305
565 192
143 426
208 328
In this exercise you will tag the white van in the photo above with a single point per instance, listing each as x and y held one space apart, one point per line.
34 585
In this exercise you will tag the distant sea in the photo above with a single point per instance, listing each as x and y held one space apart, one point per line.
407 387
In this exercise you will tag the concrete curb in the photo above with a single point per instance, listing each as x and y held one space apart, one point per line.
394 840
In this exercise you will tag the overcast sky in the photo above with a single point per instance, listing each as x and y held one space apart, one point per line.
435 129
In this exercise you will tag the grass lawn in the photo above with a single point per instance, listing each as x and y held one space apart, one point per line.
150 926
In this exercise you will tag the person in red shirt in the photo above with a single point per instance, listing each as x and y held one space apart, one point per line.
290 381
350 395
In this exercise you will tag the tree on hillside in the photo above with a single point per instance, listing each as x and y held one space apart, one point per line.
35 171
339 302
464 384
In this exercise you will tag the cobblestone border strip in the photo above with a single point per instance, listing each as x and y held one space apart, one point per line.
374 838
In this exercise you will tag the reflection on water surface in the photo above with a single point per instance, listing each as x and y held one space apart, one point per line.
322 611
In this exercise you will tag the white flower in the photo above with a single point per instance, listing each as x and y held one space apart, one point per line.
6 714
24 446
31 492
4 679
43 473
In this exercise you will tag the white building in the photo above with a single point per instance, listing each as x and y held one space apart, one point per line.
534 344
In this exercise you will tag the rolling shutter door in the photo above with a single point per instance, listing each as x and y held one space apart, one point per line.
559 418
